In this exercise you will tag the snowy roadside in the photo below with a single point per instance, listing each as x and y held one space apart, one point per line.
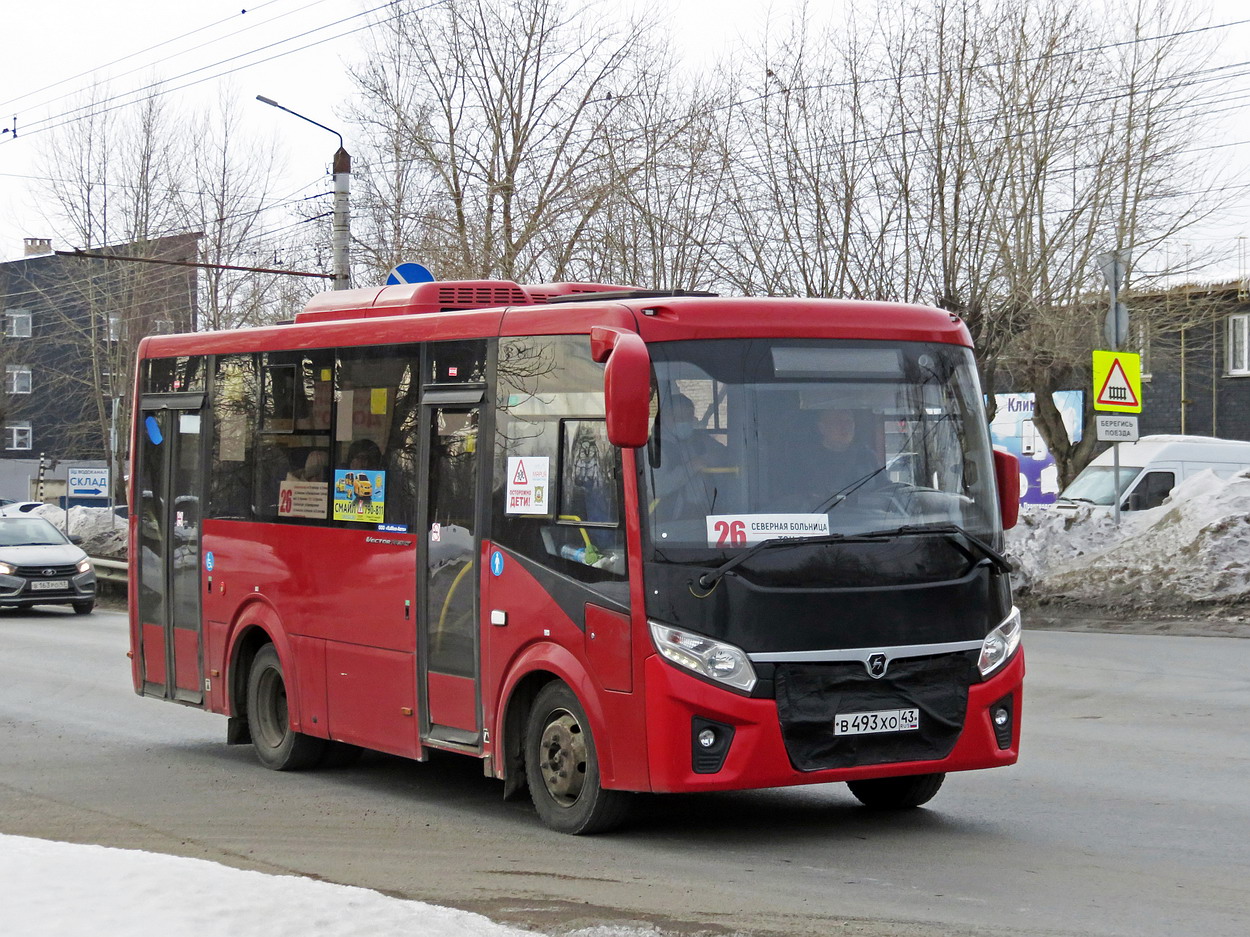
1184 565
72 890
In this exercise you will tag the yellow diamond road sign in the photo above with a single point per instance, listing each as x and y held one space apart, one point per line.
1117 382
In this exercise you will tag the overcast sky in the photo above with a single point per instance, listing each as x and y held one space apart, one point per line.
294 51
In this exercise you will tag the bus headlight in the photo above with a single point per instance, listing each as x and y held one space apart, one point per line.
715 660
1000 644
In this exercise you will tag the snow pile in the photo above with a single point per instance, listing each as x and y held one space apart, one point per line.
94 891
103 533
1192 549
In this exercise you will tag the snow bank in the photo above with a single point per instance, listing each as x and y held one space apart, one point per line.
94 891
103 533
1192 549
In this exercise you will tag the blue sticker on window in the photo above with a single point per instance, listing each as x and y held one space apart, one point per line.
154 430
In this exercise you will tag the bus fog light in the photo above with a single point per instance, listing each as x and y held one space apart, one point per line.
1000 644
1002 715
715 660
707 738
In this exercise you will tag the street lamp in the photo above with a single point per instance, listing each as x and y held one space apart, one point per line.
342 188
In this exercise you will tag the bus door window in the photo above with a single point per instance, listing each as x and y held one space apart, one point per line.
170 485
451 589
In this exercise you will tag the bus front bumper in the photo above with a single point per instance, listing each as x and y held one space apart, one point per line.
748 749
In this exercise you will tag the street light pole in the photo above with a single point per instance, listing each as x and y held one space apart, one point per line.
342 168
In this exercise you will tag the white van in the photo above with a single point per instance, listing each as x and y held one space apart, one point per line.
1150 468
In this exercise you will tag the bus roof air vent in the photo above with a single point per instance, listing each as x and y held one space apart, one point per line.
451 295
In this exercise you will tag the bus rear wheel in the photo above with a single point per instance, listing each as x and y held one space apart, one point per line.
897 793
562 768
277 745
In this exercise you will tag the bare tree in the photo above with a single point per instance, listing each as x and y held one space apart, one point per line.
496 125
229 199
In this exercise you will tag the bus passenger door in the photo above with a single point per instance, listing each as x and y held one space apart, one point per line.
169 495
448 576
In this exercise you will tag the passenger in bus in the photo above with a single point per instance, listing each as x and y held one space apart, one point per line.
314 470
847 462
364 454
687 480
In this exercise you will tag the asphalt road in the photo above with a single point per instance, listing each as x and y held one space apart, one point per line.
1129 813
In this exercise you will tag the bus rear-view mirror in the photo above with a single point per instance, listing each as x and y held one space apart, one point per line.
626 385
1007 480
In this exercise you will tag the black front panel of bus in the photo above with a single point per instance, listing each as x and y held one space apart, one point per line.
810 696
767 618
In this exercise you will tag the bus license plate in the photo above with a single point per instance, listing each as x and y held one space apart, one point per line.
884 720
49 584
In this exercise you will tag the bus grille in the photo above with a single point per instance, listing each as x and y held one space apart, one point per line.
809 696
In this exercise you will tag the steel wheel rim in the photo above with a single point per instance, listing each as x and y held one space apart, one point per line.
563 757
272 718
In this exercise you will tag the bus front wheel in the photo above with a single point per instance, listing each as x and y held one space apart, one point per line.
897 793
562 768
277 745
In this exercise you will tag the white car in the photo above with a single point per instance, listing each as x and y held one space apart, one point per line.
10 508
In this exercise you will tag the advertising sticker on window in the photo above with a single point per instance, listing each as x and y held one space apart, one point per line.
359 496
743 530
527 490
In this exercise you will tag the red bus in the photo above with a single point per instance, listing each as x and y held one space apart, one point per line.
605 540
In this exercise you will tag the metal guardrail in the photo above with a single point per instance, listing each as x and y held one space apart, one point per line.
109 569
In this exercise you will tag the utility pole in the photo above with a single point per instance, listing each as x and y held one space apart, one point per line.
341 228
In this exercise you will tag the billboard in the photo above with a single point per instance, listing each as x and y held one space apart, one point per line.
1013 431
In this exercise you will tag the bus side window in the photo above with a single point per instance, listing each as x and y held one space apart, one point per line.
550 416
234 407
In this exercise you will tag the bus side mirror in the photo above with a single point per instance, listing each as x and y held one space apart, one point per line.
1007 480
626 384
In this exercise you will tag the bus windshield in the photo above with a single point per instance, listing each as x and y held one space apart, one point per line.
756 439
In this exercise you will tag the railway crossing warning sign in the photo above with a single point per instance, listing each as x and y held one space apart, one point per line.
1117 382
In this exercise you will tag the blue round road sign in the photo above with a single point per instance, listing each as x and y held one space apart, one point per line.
409 273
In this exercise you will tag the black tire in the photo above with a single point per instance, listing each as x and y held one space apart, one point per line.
83 608
563 770
277 745
897 793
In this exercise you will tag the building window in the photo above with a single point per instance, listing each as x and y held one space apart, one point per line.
17 378
17 323
17 435
1239 344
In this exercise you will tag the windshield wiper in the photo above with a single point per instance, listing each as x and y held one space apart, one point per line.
950 531
1086 500
707 580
